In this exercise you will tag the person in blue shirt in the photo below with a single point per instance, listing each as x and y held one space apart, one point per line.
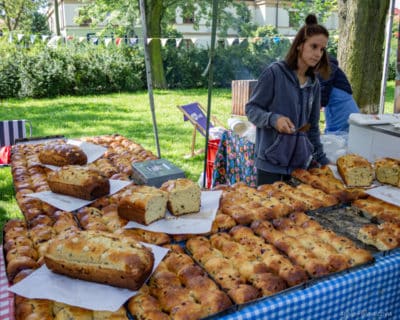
337 99
287 97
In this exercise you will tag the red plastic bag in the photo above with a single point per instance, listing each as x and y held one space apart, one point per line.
5 155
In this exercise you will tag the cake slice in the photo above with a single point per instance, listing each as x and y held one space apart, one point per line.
355 170
143 204
183 196
387 170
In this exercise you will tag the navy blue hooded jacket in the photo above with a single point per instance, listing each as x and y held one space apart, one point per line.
337 79
278 93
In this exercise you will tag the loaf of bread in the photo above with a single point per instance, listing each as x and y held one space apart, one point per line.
62 154
143 204
355 170
79 182
100 257
387 170
183 196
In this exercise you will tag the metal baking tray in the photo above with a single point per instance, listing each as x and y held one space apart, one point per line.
345 221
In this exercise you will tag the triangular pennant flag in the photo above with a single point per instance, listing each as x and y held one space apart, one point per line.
32 38
242 39
194 40
81 39
20 36
163 41
95 40
230 41
53 41
149 40
118 41
178 41
133 41
107 41
44 37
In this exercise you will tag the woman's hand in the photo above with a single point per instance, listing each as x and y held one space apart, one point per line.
284 125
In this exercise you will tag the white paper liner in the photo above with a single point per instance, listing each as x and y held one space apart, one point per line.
68 203
386 193
92 151
45 284
196 223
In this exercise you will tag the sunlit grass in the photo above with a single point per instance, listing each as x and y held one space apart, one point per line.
129 115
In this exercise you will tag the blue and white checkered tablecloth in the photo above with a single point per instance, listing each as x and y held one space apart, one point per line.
371 292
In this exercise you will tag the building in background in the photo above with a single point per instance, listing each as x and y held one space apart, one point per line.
264 12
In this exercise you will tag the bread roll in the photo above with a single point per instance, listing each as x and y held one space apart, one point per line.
100 257
355 170
143 204
79 182
184 196
62 154
387 170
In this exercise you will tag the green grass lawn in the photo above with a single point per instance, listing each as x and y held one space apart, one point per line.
128 115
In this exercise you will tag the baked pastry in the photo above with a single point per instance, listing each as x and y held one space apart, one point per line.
184 196
387 170
323 179
143 204
79 182
384 236
100 257
378 209
355 170
62 154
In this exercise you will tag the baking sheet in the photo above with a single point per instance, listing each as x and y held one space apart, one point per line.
45 284
70 204
346 222
195 223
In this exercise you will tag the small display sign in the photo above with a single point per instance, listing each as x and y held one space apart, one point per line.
155 172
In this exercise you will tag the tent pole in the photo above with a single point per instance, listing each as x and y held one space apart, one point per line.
210 81
396 108
148 74
386 58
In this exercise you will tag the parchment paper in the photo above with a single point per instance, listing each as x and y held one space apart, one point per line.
196 223
45 284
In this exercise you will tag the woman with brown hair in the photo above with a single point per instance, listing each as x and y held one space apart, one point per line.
285 107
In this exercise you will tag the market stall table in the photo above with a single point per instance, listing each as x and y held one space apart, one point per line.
234 161
368 292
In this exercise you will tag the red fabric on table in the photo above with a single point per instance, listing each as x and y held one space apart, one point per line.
212 149
6 297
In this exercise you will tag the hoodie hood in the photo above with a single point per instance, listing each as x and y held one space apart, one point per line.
291 74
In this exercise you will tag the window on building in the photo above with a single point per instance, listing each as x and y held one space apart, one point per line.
188 19
85 22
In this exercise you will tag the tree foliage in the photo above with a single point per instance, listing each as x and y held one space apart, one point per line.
301 8
20 14
122 16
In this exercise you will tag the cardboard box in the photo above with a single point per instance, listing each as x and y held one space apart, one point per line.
155 172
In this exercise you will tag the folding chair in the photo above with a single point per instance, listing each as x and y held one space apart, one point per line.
196 114
10 131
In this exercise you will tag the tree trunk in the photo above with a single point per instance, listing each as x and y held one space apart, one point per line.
361 48
153 20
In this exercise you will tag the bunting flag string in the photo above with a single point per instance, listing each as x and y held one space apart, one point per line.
133 41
